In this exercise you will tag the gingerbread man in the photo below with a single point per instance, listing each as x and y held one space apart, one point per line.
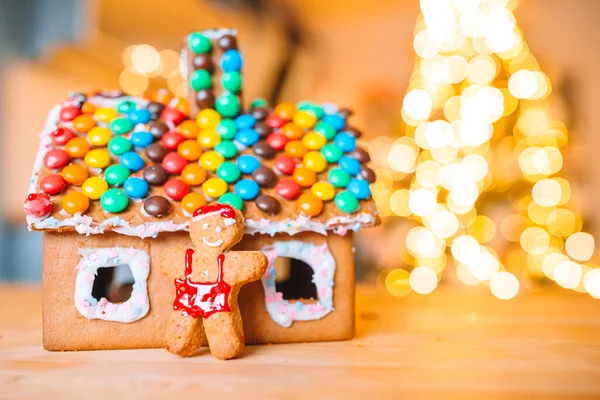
207 283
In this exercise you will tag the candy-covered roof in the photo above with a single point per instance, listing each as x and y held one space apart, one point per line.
138 166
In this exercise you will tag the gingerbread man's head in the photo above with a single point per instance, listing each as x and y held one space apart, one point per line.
216 227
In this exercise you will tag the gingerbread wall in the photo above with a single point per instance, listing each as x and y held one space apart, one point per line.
64 328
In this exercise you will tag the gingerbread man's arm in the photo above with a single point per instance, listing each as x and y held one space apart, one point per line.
244 266
172 262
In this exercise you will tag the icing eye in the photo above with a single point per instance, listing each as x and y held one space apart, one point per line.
218 229
205 226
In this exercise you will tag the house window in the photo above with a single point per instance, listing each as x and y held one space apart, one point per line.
111 284
299 281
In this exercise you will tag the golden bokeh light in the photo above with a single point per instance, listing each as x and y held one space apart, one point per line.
580 246
535 240
423 280
504 285
397 282
133 82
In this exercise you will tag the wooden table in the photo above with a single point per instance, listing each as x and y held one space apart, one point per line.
455 343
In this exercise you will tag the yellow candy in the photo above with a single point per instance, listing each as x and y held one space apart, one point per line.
314 141
94 187
208 118
315 161
323 190
99 136
305 119
209 138
97 158
211 160
105 114
214 187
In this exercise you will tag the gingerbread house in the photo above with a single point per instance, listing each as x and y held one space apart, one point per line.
117 178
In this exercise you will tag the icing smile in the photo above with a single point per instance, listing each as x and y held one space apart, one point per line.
212 244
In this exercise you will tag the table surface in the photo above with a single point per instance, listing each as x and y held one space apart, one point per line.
454 343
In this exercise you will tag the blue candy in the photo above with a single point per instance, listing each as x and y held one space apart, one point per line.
350 165
247 137
136 188
247 163
231 61
335 120
245 121
140 116
359 188
141 139
345 141
247 189
132 161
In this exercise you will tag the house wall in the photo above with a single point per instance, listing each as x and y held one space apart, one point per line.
64 328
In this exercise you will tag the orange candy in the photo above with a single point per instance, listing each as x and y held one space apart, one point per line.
88 108
77 147
75 202
310 205
163 96
83 123
292 130
304 177
192 201
190 149
182 105
295 148
193 174
285 110
75 174
189 129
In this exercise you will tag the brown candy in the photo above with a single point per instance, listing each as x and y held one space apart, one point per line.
227 42
263 129
157 129
353 132
264 176
368 174
263 150
361 155
157 206
156 152
155 108
345 112
156 175
203 61
268 204
205 99
260 113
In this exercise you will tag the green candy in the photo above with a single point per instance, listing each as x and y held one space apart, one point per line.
326 130
121 126
232 199
119 145
338 177
228 105
259 102
331 152
232 81
200 80
229 172
346 202
125 106
116 175
226 148
314 108
227 129
199 43
114 200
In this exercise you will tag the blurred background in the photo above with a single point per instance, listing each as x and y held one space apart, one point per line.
358 54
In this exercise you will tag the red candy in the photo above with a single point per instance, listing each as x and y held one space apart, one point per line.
171 140
288 189
172 115
56 159
275 121
176 189
53 184
37 205
285 164
60 136
277 141
174 163
69 113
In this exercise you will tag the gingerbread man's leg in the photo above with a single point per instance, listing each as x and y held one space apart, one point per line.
184 334
225 334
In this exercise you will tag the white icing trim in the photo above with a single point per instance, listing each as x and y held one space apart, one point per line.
321 261
136 307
